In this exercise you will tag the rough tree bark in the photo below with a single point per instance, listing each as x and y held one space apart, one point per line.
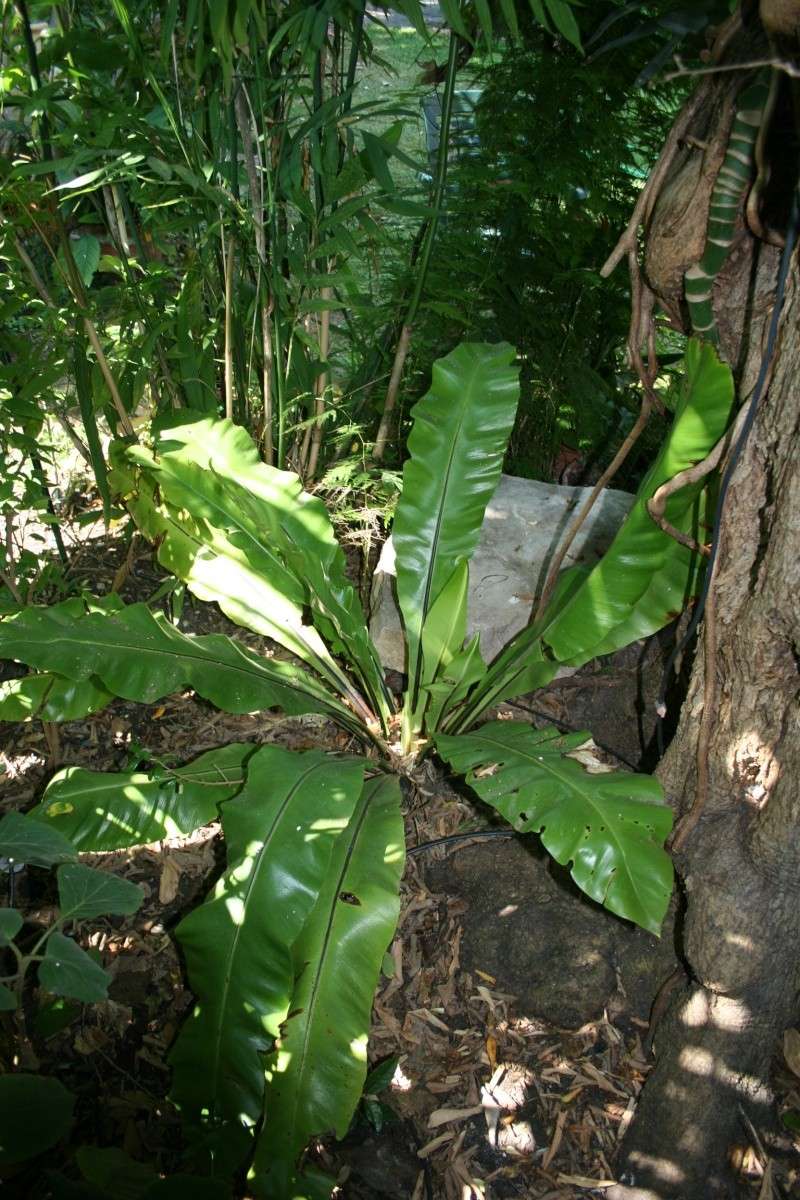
740 867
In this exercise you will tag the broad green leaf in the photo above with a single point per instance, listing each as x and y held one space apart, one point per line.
445 665
608 826
316 1073
466 669
253 588
522 666
188 1187
445 626
279 834
644 564
37 1113
456 447
115 1172
25 841
66 970
260 519
8 1001
142 657
86 892
109 811
50 697
10 925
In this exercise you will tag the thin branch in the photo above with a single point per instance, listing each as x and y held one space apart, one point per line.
778 64
649 193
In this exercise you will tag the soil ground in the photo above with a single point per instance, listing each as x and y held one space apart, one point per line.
518 1012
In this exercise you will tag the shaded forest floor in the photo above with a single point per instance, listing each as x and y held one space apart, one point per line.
518 1012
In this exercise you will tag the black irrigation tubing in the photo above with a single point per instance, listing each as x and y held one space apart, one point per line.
462 837
766 362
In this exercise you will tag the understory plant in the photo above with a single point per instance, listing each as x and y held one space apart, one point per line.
285 953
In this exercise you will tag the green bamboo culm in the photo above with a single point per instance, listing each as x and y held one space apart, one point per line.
732 180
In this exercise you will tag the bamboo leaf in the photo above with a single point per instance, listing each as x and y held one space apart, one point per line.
316 1074
456 446
100 811
608 827
83 386
509 9
452 15
563 18
280 834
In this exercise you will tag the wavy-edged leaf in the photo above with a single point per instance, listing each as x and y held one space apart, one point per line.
316 1073
50 698
608 826
273 528
100 810
644 564
251 586
37 1113
67 970
280 834
456 447
140 656
25 841
85 892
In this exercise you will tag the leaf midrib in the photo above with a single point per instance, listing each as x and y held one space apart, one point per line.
545 767
240 927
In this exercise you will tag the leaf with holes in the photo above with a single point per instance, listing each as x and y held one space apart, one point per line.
609 826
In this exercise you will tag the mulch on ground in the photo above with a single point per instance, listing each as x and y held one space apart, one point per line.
486 1101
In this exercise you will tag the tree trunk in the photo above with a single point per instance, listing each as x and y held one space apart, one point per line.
740 866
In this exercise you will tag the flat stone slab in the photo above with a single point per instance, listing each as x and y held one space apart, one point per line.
523 527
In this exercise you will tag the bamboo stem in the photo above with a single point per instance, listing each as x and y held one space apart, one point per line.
404 343
229 265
